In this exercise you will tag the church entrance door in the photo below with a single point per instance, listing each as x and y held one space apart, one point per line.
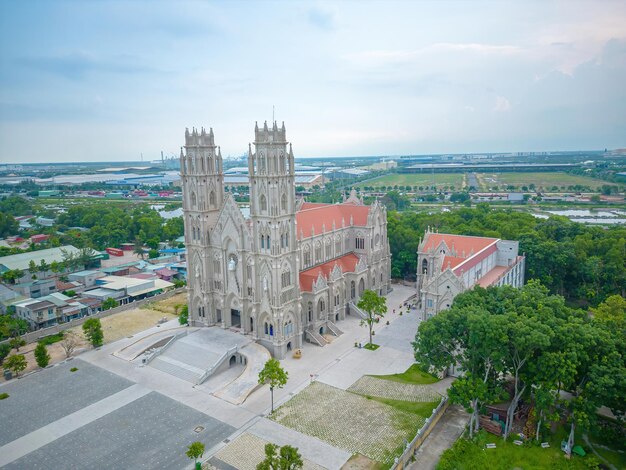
235 318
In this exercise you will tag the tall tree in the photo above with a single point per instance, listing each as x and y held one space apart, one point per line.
93 332
41 355
273 374
17 363
375 308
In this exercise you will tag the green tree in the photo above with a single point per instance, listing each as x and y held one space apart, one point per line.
287 458
17 342
138 250
43 266
17 363
8 225
195 451
183 318
152 254
11 276
41 355
32 267
109 303
5 349
374 307
93 332
273 374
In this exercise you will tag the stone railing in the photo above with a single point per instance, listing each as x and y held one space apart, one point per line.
150 356
211 370
421 435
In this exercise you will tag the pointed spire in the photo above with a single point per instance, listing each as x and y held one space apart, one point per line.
182 155
256 126
265 126
211 131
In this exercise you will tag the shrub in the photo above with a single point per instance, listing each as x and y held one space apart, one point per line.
4 396
48 340
183 318
73 369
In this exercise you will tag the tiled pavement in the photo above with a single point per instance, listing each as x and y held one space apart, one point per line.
371 386
245 452
140 429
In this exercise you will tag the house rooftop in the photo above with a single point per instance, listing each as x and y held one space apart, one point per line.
315 219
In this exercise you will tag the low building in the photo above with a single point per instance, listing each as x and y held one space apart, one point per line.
38 313
86 278
450 264
37 288
127 289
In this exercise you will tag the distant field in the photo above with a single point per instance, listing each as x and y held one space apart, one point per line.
417 179
542 181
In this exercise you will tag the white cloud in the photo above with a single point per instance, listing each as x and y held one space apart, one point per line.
502 104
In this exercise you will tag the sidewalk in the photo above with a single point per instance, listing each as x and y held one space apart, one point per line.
446 432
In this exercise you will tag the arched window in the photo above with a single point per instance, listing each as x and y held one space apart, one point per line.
283 202
263 203
288 329
310 312
266 328
286 278
307 256
321 306
271 330
328 248
361 287
337 246
194 200
352 290
212 199
282 162
318 252
425 267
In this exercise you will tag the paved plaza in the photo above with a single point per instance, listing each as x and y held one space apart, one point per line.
109 422
114 413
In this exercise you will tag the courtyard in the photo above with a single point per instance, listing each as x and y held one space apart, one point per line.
113 413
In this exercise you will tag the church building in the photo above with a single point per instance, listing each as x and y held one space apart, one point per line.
450 264
291 271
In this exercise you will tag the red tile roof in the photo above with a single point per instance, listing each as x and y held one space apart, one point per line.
347 263
316 215
464 246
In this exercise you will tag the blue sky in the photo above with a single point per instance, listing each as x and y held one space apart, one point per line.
109 80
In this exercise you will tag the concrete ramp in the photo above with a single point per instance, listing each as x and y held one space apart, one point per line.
155 340
239 389
190 357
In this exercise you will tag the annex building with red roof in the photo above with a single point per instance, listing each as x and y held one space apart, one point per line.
450 264
292 270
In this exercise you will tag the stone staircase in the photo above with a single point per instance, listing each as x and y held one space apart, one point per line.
315 337
357 311
333 328
177 369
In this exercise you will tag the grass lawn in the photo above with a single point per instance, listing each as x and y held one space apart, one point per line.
413 375
371 346
417 179
465 455
543 181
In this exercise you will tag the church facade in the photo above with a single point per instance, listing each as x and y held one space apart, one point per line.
448 265
290 271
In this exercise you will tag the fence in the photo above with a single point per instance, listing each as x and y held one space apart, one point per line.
36 335
421 435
